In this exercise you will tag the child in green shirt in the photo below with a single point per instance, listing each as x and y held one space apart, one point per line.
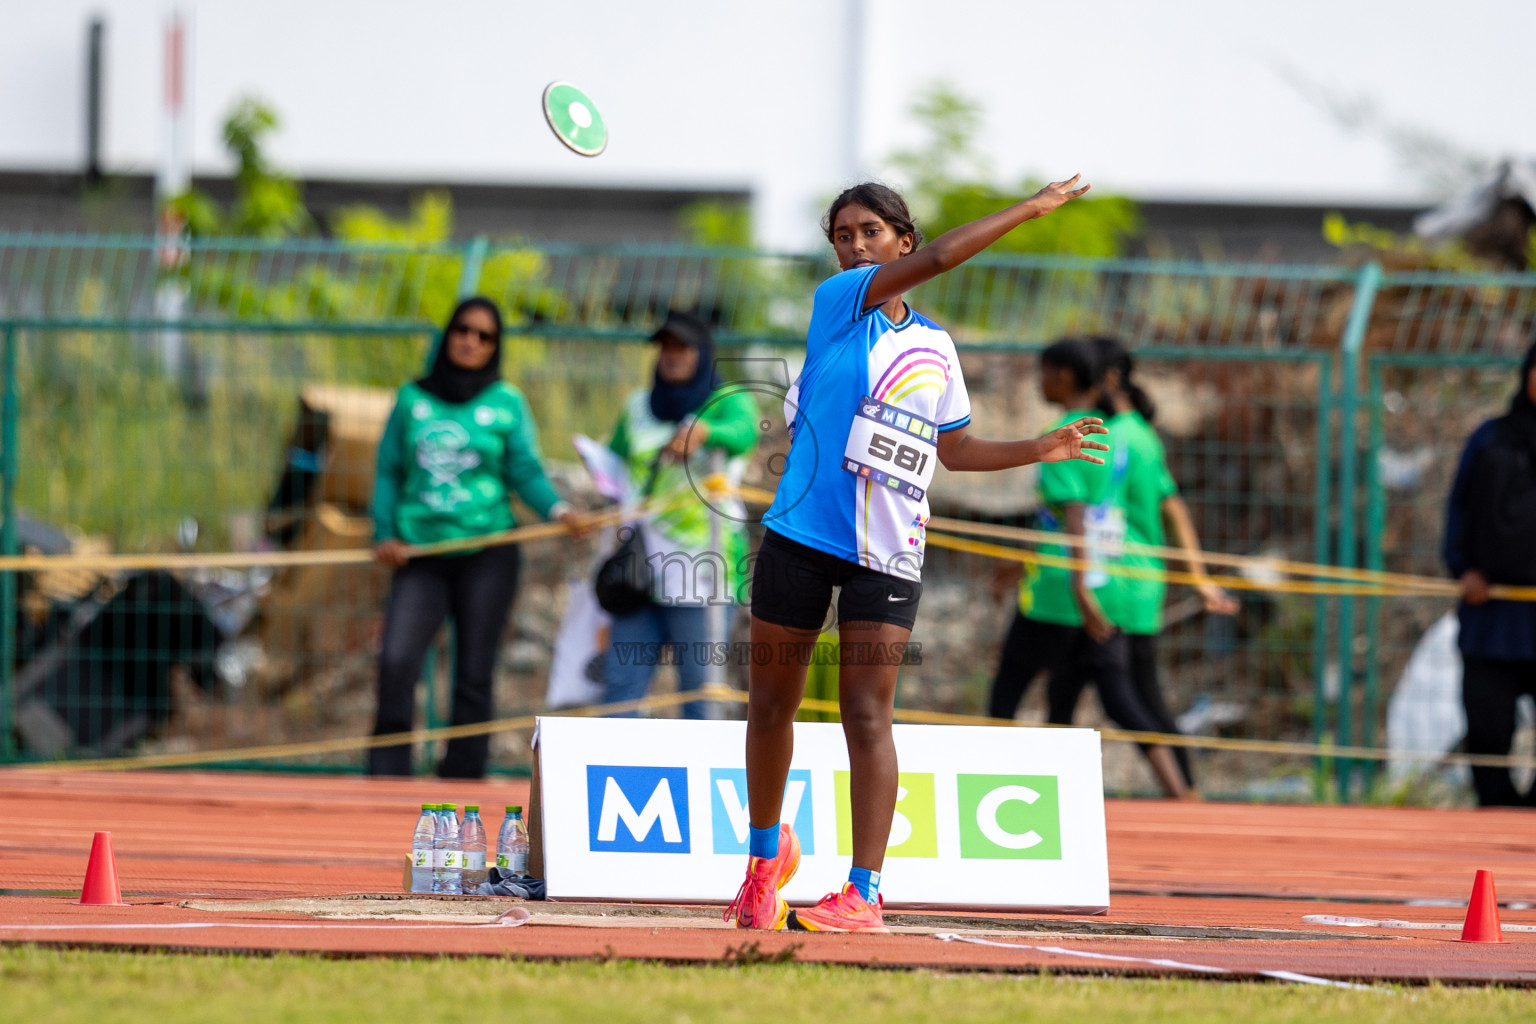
1151 500
1070 619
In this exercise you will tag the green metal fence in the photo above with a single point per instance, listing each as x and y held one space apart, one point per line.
1275 385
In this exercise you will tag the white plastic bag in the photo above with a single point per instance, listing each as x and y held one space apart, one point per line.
1425 712
575 672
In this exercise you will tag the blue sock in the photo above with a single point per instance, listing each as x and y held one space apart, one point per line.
764 842
866 881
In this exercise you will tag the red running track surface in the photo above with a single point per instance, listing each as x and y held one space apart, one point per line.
186 835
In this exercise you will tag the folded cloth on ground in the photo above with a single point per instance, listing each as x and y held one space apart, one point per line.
500 882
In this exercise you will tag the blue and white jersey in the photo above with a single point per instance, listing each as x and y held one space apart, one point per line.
864 417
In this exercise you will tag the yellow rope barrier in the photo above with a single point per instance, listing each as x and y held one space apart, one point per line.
715 692
1373 582
344 745
1366 582
1441 588
1328 580
339 556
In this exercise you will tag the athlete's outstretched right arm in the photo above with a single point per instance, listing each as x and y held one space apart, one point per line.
957 245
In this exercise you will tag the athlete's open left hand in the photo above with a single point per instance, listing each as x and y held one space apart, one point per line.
1056 195
1071 442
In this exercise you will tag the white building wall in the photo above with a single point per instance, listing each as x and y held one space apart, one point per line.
1176 99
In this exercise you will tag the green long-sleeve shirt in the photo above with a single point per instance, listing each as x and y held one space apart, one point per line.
447 470
732 416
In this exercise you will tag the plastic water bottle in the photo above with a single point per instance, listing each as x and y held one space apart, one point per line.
448 877
422 849
438 855
472 842
512 842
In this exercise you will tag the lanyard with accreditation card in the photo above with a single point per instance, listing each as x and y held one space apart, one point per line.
892 448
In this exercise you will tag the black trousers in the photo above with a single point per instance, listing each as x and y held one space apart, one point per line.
1489 689
477 591
1066 684
1033 647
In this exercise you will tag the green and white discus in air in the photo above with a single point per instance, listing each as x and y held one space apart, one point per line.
574 118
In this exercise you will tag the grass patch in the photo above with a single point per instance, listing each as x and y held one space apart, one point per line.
50 985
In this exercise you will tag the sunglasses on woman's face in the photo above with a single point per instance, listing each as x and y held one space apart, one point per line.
486 337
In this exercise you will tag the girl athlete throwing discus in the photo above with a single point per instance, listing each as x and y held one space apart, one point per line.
880 401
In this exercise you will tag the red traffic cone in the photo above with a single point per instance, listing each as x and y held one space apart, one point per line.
100 889
1482 912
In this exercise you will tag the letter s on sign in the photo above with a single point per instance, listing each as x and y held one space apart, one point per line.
986 818
901 825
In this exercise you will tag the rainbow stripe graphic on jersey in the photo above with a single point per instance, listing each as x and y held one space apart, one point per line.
913 370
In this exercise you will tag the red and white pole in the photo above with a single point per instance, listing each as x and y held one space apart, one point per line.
173 179
175 174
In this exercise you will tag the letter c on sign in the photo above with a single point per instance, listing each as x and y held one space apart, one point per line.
986 818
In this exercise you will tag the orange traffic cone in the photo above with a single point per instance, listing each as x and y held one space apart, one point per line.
1482 912
100 889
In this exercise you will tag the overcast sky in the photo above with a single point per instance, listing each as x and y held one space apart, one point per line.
1185 99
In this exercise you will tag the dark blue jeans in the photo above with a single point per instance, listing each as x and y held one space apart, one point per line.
635 648
477 591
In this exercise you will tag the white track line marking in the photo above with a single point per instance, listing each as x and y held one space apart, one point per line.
1301 979
1392 922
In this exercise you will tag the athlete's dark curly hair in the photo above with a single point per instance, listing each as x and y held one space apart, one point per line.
881 200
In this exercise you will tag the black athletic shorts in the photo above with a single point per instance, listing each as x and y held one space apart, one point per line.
792 587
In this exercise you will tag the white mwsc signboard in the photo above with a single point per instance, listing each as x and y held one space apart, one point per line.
985 817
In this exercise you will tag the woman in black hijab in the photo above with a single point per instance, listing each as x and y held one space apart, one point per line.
1490 538
459 441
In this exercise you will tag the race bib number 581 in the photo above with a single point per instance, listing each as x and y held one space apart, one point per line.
892 448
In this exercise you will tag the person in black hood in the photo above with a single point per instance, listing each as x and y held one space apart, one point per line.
459 442
678 390
1490 539
678 431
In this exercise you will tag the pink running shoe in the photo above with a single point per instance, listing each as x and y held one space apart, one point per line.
758 903
844 911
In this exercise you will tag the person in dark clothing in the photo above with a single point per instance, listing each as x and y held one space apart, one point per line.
1490 539
458 443
670 429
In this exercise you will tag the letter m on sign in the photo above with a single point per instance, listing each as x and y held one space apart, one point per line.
637 810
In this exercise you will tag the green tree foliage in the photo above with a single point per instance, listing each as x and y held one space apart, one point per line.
125 426
951 183
1410 251
267 204
753 296
403 269
717 224
949 158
